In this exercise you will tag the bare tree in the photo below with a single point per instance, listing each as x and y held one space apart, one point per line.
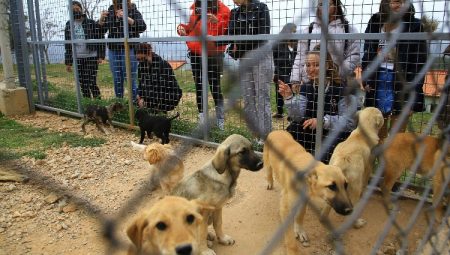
49 29
90 7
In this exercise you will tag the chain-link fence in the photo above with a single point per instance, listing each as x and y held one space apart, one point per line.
306 67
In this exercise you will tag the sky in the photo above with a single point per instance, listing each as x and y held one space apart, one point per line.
163 16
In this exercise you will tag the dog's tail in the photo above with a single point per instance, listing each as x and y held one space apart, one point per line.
174 117
138 147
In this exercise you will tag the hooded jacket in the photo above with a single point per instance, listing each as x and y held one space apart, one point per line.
410 58
91 30
193 28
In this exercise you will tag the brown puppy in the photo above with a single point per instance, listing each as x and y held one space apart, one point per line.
402 153
173 226
215 183
165 164
354 156
284 158
100 115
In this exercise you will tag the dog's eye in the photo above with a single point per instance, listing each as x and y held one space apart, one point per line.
190 219
345 185
332 187
161 226
243 151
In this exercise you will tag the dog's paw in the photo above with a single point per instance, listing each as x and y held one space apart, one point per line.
208 252
359 223
211 236
226 240
209 243
301 235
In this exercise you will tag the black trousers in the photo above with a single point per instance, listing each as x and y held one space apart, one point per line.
215 69
279 99
307 138
87 76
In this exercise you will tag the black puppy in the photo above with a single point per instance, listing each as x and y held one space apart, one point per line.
100 114
160 125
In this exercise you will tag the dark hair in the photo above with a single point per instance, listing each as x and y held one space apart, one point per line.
340 12
144 48
77 4
212 6
385 11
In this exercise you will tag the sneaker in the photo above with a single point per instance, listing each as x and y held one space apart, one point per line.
221 124
277 116
201 118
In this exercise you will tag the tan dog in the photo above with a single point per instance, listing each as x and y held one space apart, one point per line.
354 156
402 153
215 183
165 165
284 158
173 226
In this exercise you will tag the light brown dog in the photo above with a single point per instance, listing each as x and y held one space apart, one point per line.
284 158
354 156
401 154
172 226
165 165
215 183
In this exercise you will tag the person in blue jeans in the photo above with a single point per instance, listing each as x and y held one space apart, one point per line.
389 85
111 21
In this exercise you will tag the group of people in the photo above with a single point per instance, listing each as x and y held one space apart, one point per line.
292 65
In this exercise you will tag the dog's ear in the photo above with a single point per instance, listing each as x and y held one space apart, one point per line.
312 177
153 155
379 122
203 208
135 230
220 160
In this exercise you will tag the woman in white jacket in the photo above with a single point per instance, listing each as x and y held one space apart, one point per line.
344 53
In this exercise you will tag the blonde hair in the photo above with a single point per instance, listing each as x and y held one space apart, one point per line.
332 70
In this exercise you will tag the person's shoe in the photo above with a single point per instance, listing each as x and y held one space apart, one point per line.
277 116
221 124
201 118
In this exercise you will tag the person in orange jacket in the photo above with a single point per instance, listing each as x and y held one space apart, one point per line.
218 15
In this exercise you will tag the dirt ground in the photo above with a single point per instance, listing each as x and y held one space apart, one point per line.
36 218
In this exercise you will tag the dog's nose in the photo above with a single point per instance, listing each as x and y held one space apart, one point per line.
184 249
259 165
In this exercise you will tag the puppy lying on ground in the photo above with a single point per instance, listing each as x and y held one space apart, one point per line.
160 125
402 153
165 165
215 183
284 158
354 156
100 115
173 226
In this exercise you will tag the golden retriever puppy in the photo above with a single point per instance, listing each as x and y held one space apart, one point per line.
172 226
284 159
401 154
354 156
165 165
215 183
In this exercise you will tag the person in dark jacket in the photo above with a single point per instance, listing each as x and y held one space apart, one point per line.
389 87
302 107
158 88
88 55
283 59
252 17
111 21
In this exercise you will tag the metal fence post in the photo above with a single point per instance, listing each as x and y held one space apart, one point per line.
74 58
205 81
128 62
41 52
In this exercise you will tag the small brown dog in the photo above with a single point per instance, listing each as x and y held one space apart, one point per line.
172 226
101 115
402 153
354 156
165 165
284 158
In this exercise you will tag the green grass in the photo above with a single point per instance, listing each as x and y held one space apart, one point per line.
17 140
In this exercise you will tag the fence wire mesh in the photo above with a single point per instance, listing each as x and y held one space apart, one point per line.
156 56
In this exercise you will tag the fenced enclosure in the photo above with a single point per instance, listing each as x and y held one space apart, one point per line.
46 41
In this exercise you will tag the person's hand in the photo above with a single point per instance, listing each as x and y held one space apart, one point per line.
284 89
181 30
212 18
119 13
140 101
296 87
69 68
100 60
103 15
311 123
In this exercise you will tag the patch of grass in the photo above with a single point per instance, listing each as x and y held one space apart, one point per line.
17 140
